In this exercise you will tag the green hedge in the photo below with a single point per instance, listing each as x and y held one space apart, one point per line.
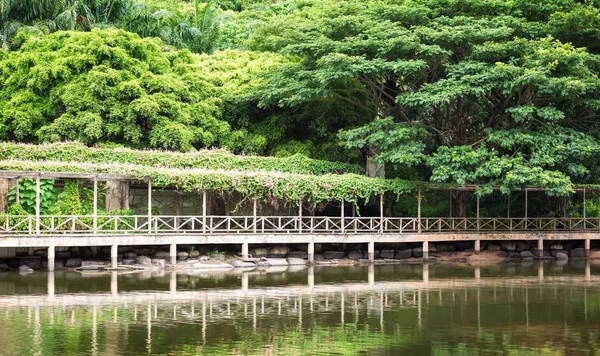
281 185
206 159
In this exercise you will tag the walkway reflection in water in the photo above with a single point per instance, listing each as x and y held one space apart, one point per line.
416 309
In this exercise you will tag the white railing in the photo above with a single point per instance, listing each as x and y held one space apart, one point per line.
70 224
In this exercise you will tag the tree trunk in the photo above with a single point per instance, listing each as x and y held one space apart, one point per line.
5 185
117 195
459 204
375 170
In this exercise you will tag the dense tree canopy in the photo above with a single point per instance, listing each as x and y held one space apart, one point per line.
503 93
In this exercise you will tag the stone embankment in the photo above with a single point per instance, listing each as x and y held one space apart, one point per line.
198 257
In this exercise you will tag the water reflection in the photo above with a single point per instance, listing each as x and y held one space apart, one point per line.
415 309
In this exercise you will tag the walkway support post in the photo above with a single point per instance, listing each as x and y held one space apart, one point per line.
587 247
477 245
419 228
541 247
114 251
37 204
371 251
149 205
311 252
425 250
95 222
173 253
245 250
51 256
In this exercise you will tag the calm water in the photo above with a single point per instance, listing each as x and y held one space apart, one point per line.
372 310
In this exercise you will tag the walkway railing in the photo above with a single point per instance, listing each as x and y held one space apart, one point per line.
138 224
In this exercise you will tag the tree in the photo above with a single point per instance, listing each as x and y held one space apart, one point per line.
466 91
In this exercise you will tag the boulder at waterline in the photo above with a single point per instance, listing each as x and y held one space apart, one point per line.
194 253
143 260
527 254
556 247
25 269
73 262
144 251
273 262
3 267
278 251
493 247
555 252
158 262
355 255
403 254
545 253
522 246
376 254
182 255
319 257
242 264
292 261
258 252
130 255
502 254
333 255
387 254
578 253
508 246
162 254
442 247
561 256
128 261
297 254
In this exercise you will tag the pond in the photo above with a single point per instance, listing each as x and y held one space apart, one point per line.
442 309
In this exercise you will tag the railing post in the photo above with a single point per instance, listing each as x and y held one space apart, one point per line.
254 209
95 222
381 214
149 205
419 212
343 216
478 216
300 216
37 205
204 211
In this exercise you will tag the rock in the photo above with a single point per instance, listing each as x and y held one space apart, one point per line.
442 248
493 247
502 254
595 254
242 264
63 255
319 257
258 252
34 263
25 269
417 252
74 251
545 253
203 258
578 253
3 267
130 255
297 254
157 262
162 254
556 247
522 246
376 254
182 255
273 262
124 249
143 260
194 253
528 259
93 263
41 253
128 261
59 265
561 256
389 254
508 246
555 252
73 262
278 251
527 254
144 251
354 255
206 266
403 254
61 249
217 257
333 255
292 261
514 255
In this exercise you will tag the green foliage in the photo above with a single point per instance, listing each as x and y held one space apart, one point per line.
69 202
107 86
291 187
27 196
213 159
